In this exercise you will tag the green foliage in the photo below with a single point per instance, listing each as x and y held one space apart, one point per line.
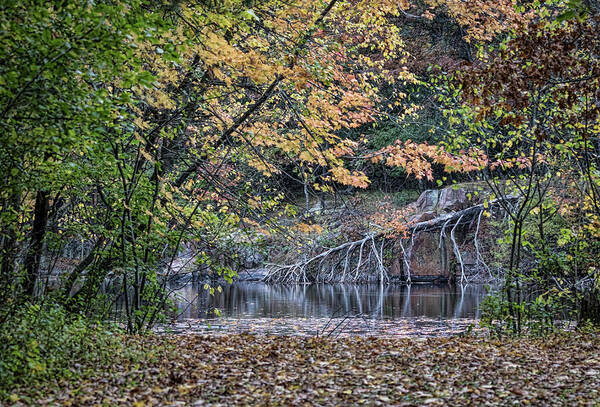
575 9
56 60
421 130
41 343
556 282
75 111
535 132
538 313
405 197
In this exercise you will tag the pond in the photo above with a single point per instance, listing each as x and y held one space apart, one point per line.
326 309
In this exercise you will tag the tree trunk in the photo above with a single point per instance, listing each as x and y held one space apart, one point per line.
34 253
590 307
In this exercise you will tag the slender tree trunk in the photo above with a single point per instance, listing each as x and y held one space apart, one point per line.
34 253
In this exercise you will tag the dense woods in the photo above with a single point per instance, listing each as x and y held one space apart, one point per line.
137 132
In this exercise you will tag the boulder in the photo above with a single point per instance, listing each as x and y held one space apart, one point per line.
446 200
428 201
452 200
258 274
250 258
469 259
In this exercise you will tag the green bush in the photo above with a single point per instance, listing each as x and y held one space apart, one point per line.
405 197
44 343
538 313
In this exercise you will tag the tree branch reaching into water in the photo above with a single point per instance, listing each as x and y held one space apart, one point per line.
334 264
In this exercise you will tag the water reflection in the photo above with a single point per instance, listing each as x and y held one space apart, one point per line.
259 300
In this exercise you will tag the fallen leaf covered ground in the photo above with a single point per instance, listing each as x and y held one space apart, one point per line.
278 370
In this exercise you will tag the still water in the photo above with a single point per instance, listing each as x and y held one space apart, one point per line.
252 300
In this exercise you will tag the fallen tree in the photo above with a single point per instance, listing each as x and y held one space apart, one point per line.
362 260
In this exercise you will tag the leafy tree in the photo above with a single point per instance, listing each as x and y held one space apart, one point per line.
530 104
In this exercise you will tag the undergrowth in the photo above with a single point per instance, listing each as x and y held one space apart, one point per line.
41 344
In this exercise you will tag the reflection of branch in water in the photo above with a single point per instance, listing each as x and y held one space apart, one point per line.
345 297
381 296
406 307
369 320
358 299
316 303
458 310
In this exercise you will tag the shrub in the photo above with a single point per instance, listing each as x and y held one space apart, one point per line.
41 343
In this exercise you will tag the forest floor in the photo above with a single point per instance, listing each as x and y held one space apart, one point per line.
278 370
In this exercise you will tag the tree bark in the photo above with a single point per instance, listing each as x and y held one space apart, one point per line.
34 253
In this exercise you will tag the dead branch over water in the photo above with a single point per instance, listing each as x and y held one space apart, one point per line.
362 260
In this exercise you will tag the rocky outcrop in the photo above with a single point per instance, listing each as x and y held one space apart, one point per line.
438 201
453 199
430 253
428 201
257 274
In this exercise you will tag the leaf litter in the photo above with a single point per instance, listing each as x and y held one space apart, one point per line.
243 369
